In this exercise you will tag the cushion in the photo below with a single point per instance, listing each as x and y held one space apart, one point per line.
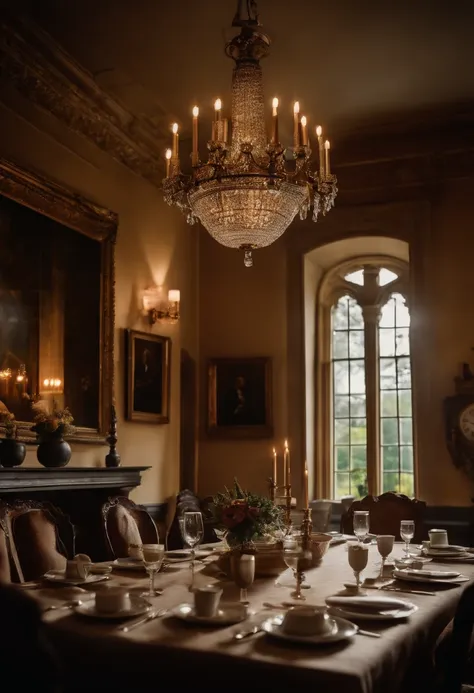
37 544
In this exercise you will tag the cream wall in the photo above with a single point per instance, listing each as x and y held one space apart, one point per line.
242 312
442 244
154 245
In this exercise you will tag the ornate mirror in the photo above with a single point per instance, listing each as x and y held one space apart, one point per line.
56 302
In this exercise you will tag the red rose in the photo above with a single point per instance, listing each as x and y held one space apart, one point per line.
254 512
233 516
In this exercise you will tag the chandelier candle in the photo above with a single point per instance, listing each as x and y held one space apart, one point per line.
275 136
296 124
175 140
304 132
195 154
275 459
319 134
327 147
306 490
168 157
250 187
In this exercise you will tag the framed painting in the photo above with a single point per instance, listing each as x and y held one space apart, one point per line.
148 369
240 398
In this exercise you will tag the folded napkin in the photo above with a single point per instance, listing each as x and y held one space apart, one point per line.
369 603
447 547
435 574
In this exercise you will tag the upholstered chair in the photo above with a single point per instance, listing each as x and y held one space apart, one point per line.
38 538
127 523
386 513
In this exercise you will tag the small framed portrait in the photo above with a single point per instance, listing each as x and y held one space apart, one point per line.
148 368
240 398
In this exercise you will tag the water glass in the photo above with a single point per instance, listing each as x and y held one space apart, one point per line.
385 544
193 532
358 558
407 532
361 524
153 555
243 572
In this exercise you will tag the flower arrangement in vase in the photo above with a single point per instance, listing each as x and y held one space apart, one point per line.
12 451
50 428
245 517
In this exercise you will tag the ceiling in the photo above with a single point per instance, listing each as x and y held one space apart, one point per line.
345 61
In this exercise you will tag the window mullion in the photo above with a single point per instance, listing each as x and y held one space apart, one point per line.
371 318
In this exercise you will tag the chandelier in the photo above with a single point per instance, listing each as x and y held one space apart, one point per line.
250 188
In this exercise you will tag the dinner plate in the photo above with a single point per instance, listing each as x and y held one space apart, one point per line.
59 577
138 606
183 556
342 630
128 564
410 577
227 615
445 553
363 615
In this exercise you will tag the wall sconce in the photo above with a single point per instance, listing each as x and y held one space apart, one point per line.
52 385
156 311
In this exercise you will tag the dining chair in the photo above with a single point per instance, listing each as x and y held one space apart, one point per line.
126 523
454 651
38 537
187 501
386 513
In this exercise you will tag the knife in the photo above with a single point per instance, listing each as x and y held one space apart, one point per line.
150 617
399 589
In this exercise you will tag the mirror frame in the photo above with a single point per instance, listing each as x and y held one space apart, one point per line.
70 209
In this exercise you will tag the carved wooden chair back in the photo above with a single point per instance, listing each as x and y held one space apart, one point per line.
38 538
386 513
127 523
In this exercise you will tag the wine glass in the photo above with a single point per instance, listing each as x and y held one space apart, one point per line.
407 532
358 557
298 560
152 558
385 546
361 524
193 532
243 571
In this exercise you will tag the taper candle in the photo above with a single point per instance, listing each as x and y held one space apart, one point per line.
217 117
319 134
195 155
296 122
306 490
275 135
275 466
304 132
175 139
327 147
168 157
285 464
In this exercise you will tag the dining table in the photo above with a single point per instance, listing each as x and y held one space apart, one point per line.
97 655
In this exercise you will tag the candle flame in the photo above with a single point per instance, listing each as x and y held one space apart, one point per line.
327 145
319 131
286 444
303 121
296 107
306 467
218 105
175 128
195 111
168 154
275 102
274 451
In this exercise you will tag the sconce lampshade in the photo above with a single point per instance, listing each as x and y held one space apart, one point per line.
174 295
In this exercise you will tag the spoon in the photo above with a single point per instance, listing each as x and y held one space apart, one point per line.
69 605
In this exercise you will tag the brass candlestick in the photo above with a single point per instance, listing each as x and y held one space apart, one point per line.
287 496
273 488
306 529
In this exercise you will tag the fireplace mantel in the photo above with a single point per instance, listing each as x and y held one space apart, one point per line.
39 479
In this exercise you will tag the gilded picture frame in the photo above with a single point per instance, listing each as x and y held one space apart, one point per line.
240 398
148 377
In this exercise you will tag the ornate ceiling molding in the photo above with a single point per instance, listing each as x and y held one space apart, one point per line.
47 76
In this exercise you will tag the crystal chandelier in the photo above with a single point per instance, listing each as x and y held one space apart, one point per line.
250 189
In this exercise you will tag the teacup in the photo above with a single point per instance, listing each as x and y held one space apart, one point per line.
111 600
135 551
307 621
438 537
206 600
79 568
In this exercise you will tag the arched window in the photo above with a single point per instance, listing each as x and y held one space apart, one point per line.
368 388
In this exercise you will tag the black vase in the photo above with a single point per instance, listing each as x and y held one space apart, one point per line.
53 452
12 452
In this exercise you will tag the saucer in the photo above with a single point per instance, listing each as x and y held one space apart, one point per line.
227 615
342 630
128 564
138 606
428 577
59 577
